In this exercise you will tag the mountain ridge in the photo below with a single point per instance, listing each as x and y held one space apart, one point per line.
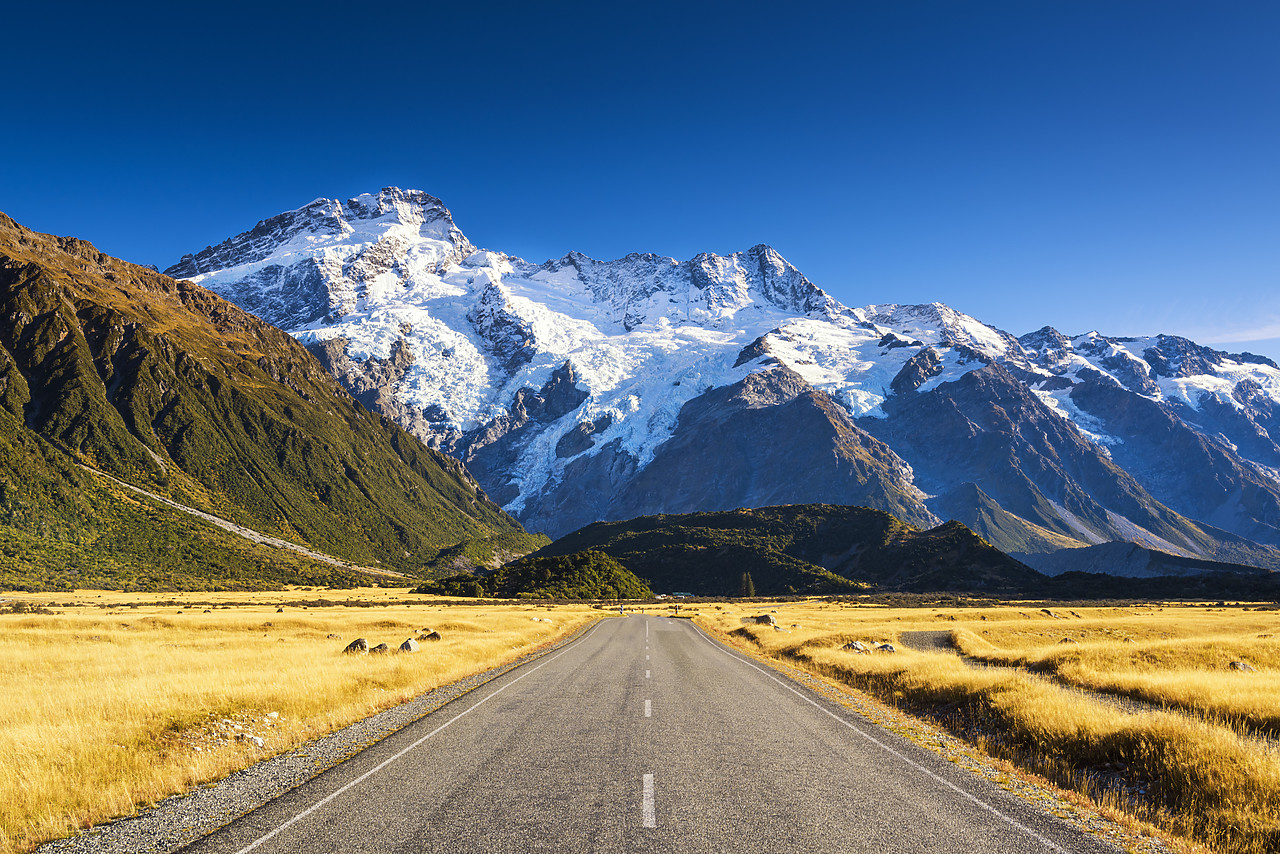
168 387
475 339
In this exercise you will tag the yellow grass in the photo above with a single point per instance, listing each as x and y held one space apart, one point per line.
1187 773
119 700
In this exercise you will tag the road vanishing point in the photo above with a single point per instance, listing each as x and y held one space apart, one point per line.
645 735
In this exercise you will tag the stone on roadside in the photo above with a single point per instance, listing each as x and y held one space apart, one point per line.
359 646
409 645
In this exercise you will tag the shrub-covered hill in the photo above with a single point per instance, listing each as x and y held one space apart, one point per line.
583 575
168 387
800 548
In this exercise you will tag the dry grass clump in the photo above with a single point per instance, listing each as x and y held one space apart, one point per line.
1190 775
106 709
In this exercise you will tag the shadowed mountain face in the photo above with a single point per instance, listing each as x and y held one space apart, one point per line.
800 548
579 390
164 385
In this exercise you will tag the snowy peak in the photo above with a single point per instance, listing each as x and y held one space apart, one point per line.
708 289
326 222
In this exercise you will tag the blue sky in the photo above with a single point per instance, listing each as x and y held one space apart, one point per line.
1111 165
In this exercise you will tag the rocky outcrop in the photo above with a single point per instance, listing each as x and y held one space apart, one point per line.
725 453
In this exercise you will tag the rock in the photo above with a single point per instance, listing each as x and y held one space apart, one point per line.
431 636
359 646
1068 640
334 636
885 647
207 611
1242 666
256 741
380 649
279 610
855 646
409 645
1049 613
1130 640
761 620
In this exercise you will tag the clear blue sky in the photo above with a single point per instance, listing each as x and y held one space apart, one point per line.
1111 164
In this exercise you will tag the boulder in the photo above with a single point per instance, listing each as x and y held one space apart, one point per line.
409 645
359 646
430 636
761 620
1242 666
886 647
380 649
334 636
1068 640
855 646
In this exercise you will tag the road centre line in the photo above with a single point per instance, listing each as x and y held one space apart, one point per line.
411 747
648 708
648 817
871 738
646 674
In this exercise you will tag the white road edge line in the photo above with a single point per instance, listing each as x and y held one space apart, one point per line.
309 810
648 708
871 738
648 817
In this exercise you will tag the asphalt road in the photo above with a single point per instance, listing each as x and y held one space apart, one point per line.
645 735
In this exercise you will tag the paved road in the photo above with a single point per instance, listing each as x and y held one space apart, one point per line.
644 735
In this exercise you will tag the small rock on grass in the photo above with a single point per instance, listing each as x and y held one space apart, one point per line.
380 649
433 636
359 646
409 645
1242 666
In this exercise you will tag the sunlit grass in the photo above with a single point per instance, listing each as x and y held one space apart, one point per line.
1202 776
106 709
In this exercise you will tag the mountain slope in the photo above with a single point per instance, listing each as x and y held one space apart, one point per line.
579 389
801 548
167 386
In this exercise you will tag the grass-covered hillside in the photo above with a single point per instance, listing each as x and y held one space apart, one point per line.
168 387
799 548
583 575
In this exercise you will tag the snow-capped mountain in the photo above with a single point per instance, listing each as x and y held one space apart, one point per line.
579 390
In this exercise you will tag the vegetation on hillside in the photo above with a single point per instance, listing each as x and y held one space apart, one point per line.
168 387
799 548
582 575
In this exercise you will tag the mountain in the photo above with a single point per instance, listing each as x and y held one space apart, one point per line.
583 575
113 367
799 548
578 390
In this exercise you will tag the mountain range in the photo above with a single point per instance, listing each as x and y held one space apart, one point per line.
109 368
578 390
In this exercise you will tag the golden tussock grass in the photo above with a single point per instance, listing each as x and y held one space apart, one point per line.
1204 776
107 709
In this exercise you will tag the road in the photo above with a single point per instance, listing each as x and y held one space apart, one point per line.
644 735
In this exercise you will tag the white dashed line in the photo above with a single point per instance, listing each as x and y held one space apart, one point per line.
648 816
646 674
648 708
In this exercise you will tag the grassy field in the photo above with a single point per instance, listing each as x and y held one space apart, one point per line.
1203 768
113 701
